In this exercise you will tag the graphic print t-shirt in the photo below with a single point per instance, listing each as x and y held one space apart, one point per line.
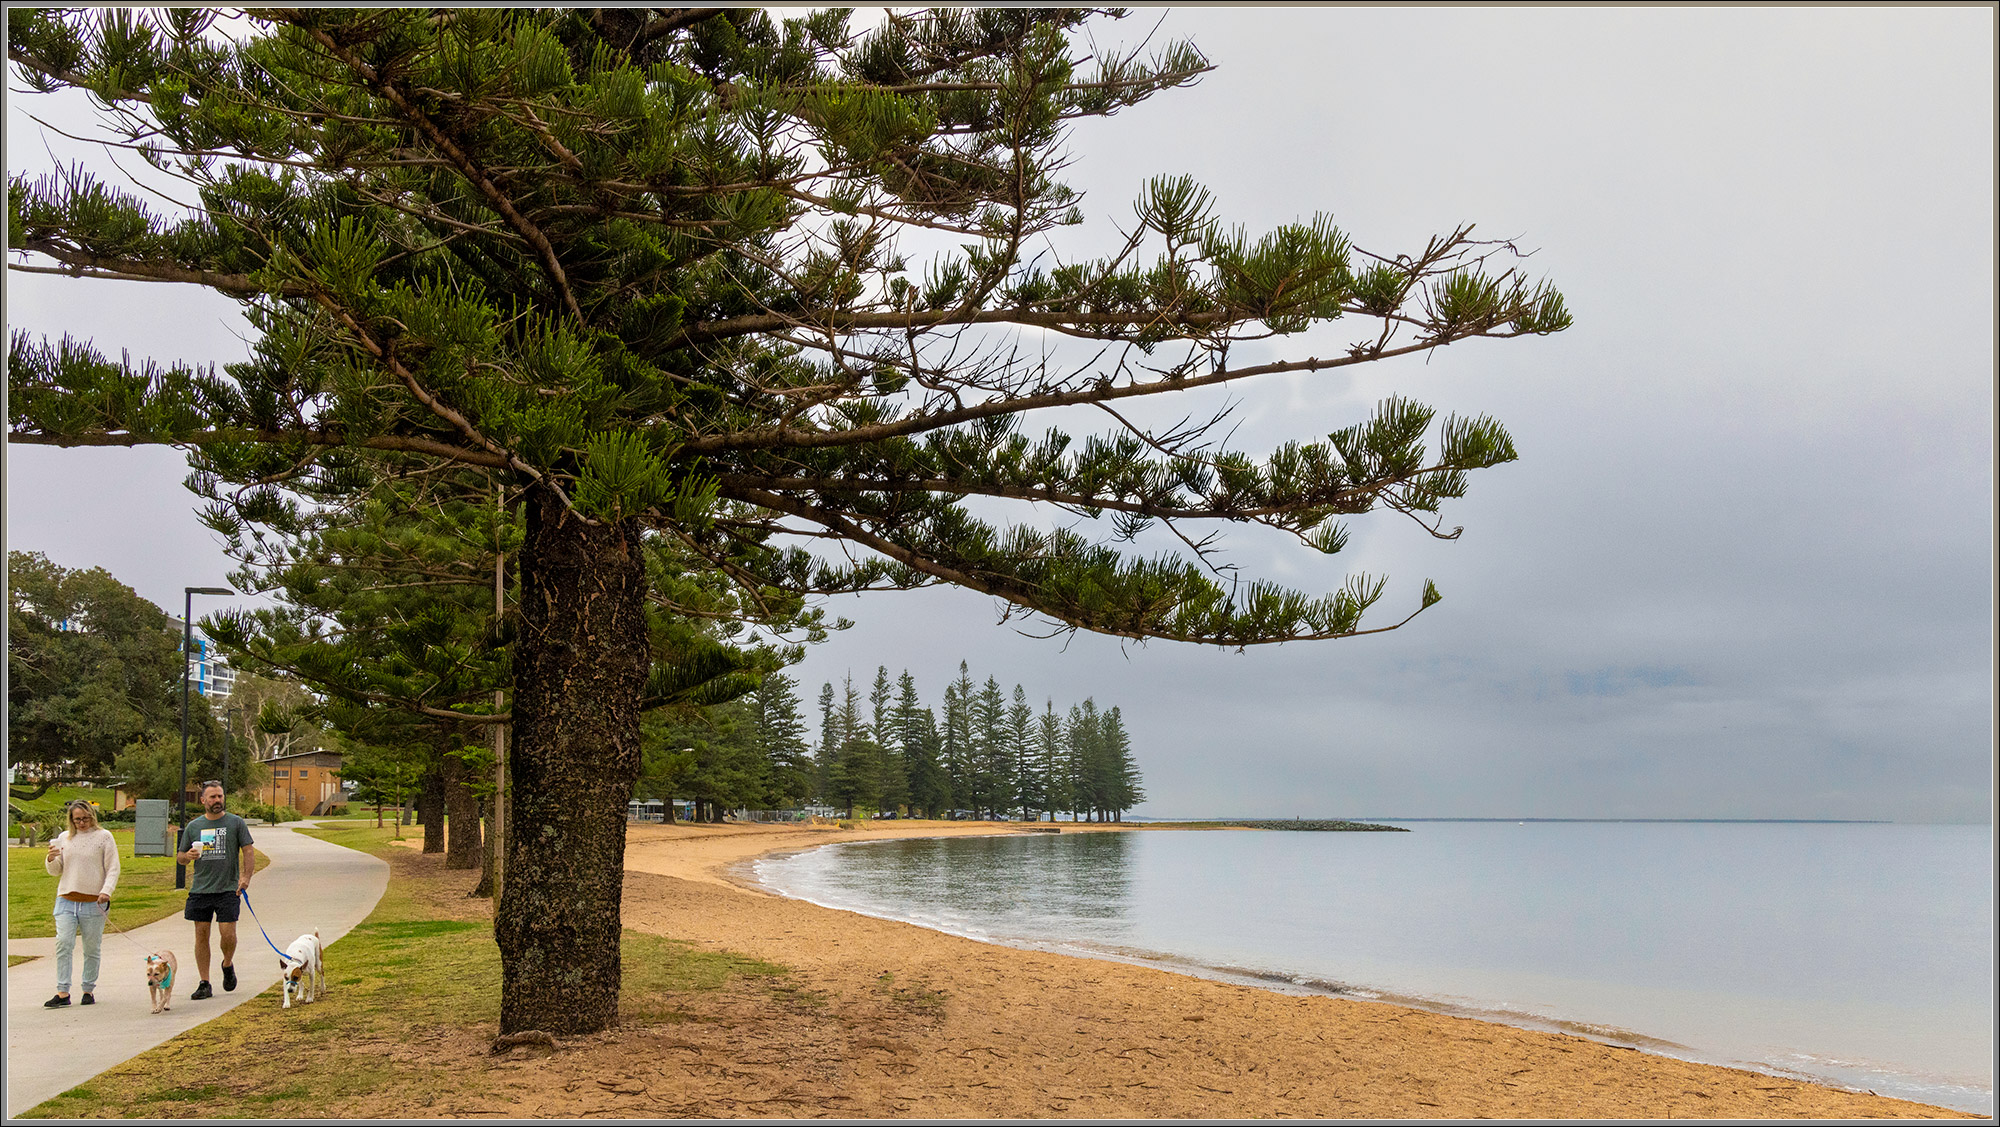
221 841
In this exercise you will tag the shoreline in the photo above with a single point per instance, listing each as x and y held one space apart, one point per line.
1329 1050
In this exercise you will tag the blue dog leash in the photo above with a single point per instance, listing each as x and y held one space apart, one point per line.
245 894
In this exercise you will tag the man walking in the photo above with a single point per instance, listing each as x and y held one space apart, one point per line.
217 848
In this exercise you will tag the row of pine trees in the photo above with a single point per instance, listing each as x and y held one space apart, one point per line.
983 754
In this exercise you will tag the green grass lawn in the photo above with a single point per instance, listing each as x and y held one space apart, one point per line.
422 969
53 802
57 796
145 891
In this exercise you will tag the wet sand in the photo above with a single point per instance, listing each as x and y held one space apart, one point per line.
898 1020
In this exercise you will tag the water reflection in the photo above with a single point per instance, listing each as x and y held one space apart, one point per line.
1013 886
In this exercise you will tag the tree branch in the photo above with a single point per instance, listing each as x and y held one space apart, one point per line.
466 166
79 264
770 437
849 530
404 444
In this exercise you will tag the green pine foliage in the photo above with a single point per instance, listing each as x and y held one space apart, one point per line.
1051 760
915 733
993 757
780 734
1026 790
656 261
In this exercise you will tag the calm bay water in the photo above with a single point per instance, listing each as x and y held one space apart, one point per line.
1856 954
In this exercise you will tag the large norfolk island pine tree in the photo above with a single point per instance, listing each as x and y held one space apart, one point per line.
735 287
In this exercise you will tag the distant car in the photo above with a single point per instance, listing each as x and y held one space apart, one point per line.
884 814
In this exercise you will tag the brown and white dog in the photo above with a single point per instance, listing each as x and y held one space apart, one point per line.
160 968
301 970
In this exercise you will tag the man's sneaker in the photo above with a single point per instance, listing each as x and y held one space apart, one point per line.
88 1000
200 992
228 977
55 1002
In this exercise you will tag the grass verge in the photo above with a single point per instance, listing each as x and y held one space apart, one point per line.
412 1000
145 890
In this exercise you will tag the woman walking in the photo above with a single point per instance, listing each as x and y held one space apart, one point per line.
84 859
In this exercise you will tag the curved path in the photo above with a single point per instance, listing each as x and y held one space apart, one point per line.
309 885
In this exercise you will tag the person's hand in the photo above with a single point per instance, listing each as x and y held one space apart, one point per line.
54 853
243 883
104 899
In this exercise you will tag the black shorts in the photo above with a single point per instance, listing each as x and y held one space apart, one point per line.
223 907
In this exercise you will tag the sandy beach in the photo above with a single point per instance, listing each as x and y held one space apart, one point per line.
890 1019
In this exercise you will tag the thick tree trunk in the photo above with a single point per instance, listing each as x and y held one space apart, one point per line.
430 808
580 664
461 809
484 889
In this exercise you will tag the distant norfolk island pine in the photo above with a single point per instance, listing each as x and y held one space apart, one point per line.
886 753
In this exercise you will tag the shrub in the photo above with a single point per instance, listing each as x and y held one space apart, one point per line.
249 808
49 823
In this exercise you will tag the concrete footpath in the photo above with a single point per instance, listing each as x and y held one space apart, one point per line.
309 885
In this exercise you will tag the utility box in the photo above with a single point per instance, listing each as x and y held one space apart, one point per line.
149 828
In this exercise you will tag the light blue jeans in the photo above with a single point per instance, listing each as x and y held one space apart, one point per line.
75 918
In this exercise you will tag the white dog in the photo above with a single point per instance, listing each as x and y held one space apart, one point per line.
301 970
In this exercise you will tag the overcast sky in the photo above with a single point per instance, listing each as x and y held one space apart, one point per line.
1744 565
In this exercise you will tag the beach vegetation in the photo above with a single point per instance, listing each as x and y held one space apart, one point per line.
687 293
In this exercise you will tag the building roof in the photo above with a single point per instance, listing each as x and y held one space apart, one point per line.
300 755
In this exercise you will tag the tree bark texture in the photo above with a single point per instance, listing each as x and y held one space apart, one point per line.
461 814
580 665
484 889
430 808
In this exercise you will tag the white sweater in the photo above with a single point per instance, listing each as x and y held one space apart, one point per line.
88 864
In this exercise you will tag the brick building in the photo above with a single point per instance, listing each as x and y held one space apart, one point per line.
306 781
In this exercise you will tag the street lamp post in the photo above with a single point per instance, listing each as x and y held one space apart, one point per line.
187 655
226 739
